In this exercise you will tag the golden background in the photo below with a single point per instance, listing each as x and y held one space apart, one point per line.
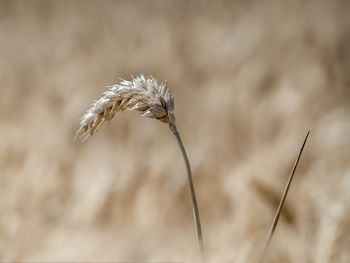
249 79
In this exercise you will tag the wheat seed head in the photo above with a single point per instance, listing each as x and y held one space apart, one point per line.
142 94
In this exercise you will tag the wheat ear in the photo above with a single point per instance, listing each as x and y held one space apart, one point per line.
151 100
280 205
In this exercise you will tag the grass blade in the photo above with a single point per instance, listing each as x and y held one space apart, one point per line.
280 206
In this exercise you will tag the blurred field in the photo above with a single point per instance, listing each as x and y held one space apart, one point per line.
249 78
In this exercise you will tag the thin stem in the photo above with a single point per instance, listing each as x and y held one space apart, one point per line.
195 210
280 206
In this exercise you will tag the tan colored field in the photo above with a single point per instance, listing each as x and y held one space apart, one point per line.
249 79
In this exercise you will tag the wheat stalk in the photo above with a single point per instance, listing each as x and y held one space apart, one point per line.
151 100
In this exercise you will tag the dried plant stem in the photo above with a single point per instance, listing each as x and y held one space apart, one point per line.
195 210
280 206
150 99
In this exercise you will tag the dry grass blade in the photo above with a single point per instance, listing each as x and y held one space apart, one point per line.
280 206
150 100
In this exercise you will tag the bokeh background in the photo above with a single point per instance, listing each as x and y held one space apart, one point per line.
249 79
